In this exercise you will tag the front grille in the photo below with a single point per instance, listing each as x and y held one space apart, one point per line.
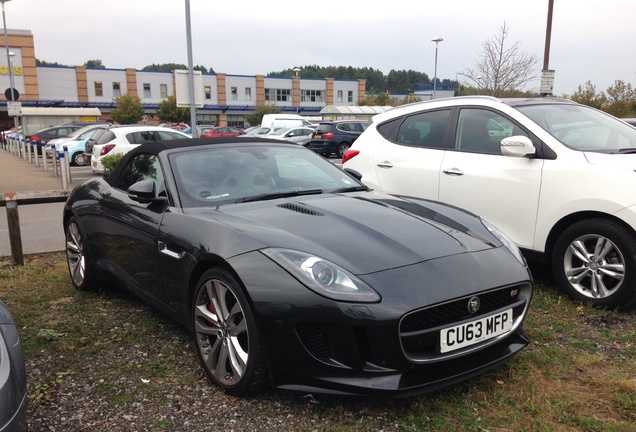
419 330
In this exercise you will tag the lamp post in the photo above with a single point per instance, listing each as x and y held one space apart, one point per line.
437 40
296 69
12 95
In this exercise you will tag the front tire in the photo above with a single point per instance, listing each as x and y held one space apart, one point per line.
594 261
80 265
78 159
227 338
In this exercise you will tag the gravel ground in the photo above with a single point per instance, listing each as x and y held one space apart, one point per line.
159 385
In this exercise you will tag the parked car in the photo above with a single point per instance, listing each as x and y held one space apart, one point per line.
53 132
75 143
291 273
222 131
122 139
630 121
13 381
298 135
256 131
558 180
336 136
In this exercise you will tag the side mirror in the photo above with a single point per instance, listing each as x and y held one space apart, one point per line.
353 173
144 192
517 146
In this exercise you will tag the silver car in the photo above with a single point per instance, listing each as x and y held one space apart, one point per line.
13 387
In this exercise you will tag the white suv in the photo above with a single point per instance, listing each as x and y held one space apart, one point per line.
558 177
122 139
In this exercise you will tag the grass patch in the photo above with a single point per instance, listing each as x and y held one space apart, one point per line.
108 357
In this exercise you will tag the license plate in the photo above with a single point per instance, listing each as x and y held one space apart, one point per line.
94 164
317 136
463 335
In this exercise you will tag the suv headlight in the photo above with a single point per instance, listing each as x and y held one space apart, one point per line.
322 276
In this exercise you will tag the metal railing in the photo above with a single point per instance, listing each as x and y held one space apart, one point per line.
11 201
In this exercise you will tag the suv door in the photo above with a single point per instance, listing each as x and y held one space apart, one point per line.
504 190
409 160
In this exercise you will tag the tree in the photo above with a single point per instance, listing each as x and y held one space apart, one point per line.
169 67
95 64
39 62
587 95
500 68
169 112
256 117
129 109
621 99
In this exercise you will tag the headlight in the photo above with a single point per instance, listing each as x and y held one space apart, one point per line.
323 277
509 244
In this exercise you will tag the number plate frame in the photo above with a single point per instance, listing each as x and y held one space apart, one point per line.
476 331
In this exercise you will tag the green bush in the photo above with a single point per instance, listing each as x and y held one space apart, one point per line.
110 163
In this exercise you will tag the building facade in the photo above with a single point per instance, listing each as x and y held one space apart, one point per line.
226 98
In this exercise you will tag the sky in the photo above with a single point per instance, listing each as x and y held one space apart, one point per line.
590 40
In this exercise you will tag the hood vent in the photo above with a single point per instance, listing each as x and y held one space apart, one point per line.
300 209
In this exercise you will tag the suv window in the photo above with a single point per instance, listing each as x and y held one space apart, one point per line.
424 129
481 131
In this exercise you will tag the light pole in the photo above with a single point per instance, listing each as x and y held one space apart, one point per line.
296 69
437 40
12 97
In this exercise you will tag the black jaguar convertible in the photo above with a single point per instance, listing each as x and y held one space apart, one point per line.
291 273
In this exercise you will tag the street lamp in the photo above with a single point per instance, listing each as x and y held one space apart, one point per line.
478 84
296 69
437 40
12 95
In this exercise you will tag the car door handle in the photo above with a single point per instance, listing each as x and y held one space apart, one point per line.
385 164
453 172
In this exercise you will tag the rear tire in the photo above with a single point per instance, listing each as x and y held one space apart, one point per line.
342 148
80 265
594 261
227 338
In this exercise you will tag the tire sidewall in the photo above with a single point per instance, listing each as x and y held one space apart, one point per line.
252 380
625 241
88 284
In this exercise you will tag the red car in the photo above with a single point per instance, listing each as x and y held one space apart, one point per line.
222 131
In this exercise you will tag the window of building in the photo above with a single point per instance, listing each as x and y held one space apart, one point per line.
312 95
236 120
207 119
163 89
99 91
350 96
278 95
116 89
147 92
234 93
339 96
208 92
248 93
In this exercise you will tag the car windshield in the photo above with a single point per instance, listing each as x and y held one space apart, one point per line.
217 175
583 128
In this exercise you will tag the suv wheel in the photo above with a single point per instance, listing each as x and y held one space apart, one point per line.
595 261
342 148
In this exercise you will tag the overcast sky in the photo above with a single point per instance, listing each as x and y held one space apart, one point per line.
591 40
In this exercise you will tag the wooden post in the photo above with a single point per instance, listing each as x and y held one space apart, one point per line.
13 222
